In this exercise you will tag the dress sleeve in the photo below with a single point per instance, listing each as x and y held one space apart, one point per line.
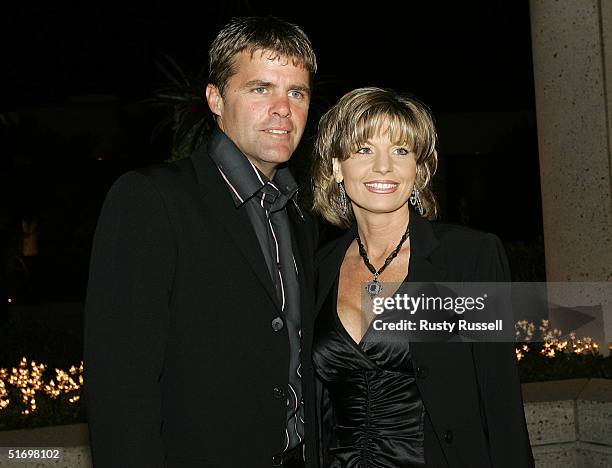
498 380
126 312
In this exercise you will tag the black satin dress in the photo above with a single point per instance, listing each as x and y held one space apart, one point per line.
376 418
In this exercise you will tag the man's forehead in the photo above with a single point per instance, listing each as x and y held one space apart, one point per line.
271 56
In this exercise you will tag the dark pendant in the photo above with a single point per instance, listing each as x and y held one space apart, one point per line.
373 288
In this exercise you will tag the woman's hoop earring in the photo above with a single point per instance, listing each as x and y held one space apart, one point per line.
343 199
415 200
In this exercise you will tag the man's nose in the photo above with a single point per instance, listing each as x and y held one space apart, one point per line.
281 106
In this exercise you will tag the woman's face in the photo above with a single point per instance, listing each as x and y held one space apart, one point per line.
379 175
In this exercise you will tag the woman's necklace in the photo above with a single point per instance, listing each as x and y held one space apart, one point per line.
374 288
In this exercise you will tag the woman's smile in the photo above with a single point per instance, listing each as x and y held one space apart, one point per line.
381 186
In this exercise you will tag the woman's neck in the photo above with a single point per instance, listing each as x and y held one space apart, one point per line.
381 232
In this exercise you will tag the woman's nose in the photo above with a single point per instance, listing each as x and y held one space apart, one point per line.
382 164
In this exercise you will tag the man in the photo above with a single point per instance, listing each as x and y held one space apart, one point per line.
200 299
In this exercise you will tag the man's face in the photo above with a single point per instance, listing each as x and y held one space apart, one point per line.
264 107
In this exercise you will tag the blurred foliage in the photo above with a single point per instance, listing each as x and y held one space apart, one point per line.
189 118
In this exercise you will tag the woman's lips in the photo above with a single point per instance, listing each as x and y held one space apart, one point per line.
381 186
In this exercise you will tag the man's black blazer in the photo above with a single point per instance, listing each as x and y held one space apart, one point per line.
181 360
471 391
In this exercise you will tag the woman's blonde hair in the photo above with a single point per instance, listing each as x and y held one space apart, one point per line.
358 116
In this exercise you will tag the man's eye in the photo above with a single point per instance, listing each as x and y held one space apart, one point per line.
296 94
260 90
364 150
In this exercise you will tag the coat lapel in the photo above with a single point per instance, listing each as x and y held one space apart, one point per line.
423 265
218 202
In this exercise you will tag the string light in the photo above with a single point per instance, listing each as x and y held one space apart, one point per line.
553 341
521 351
4 400
29 381
524 330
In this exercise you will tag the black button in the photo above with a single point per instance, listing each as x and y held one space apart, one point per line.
422 372
448 436
277 460
277 324
279 392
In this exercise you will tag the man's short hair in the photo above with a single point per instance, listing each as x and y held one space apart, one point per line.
254 33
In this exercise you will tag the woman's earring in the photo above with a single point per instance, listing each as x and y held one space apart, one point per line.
415 200
343 199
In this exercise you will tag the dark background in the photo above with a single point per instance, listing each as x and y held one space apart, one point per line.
457 56
75 78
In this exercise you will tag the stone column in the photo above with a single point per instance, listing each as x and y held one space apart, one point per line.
572 59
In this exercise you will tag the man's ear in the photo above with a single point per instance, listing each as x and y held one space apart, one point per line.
337 168
214 99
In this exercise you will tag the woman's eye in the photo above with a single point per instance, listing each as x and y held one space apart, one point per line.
364 150
402 151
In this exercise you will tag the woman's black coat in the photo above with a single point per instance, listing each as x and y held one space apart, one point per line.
471 391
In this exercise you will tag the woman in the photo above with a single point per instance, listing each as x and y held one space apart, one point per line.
385 403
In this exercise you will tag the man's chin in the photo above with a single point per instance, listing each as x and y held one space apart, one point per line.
277 157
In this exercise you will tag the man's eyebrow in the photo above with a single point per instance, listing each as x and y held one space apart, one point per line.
263 84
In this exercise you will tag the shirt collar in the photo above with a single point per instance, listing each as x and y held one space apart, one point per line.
244 179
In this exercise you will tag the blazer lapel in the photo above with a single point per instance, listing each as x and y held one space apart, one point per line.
218 202
423 265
